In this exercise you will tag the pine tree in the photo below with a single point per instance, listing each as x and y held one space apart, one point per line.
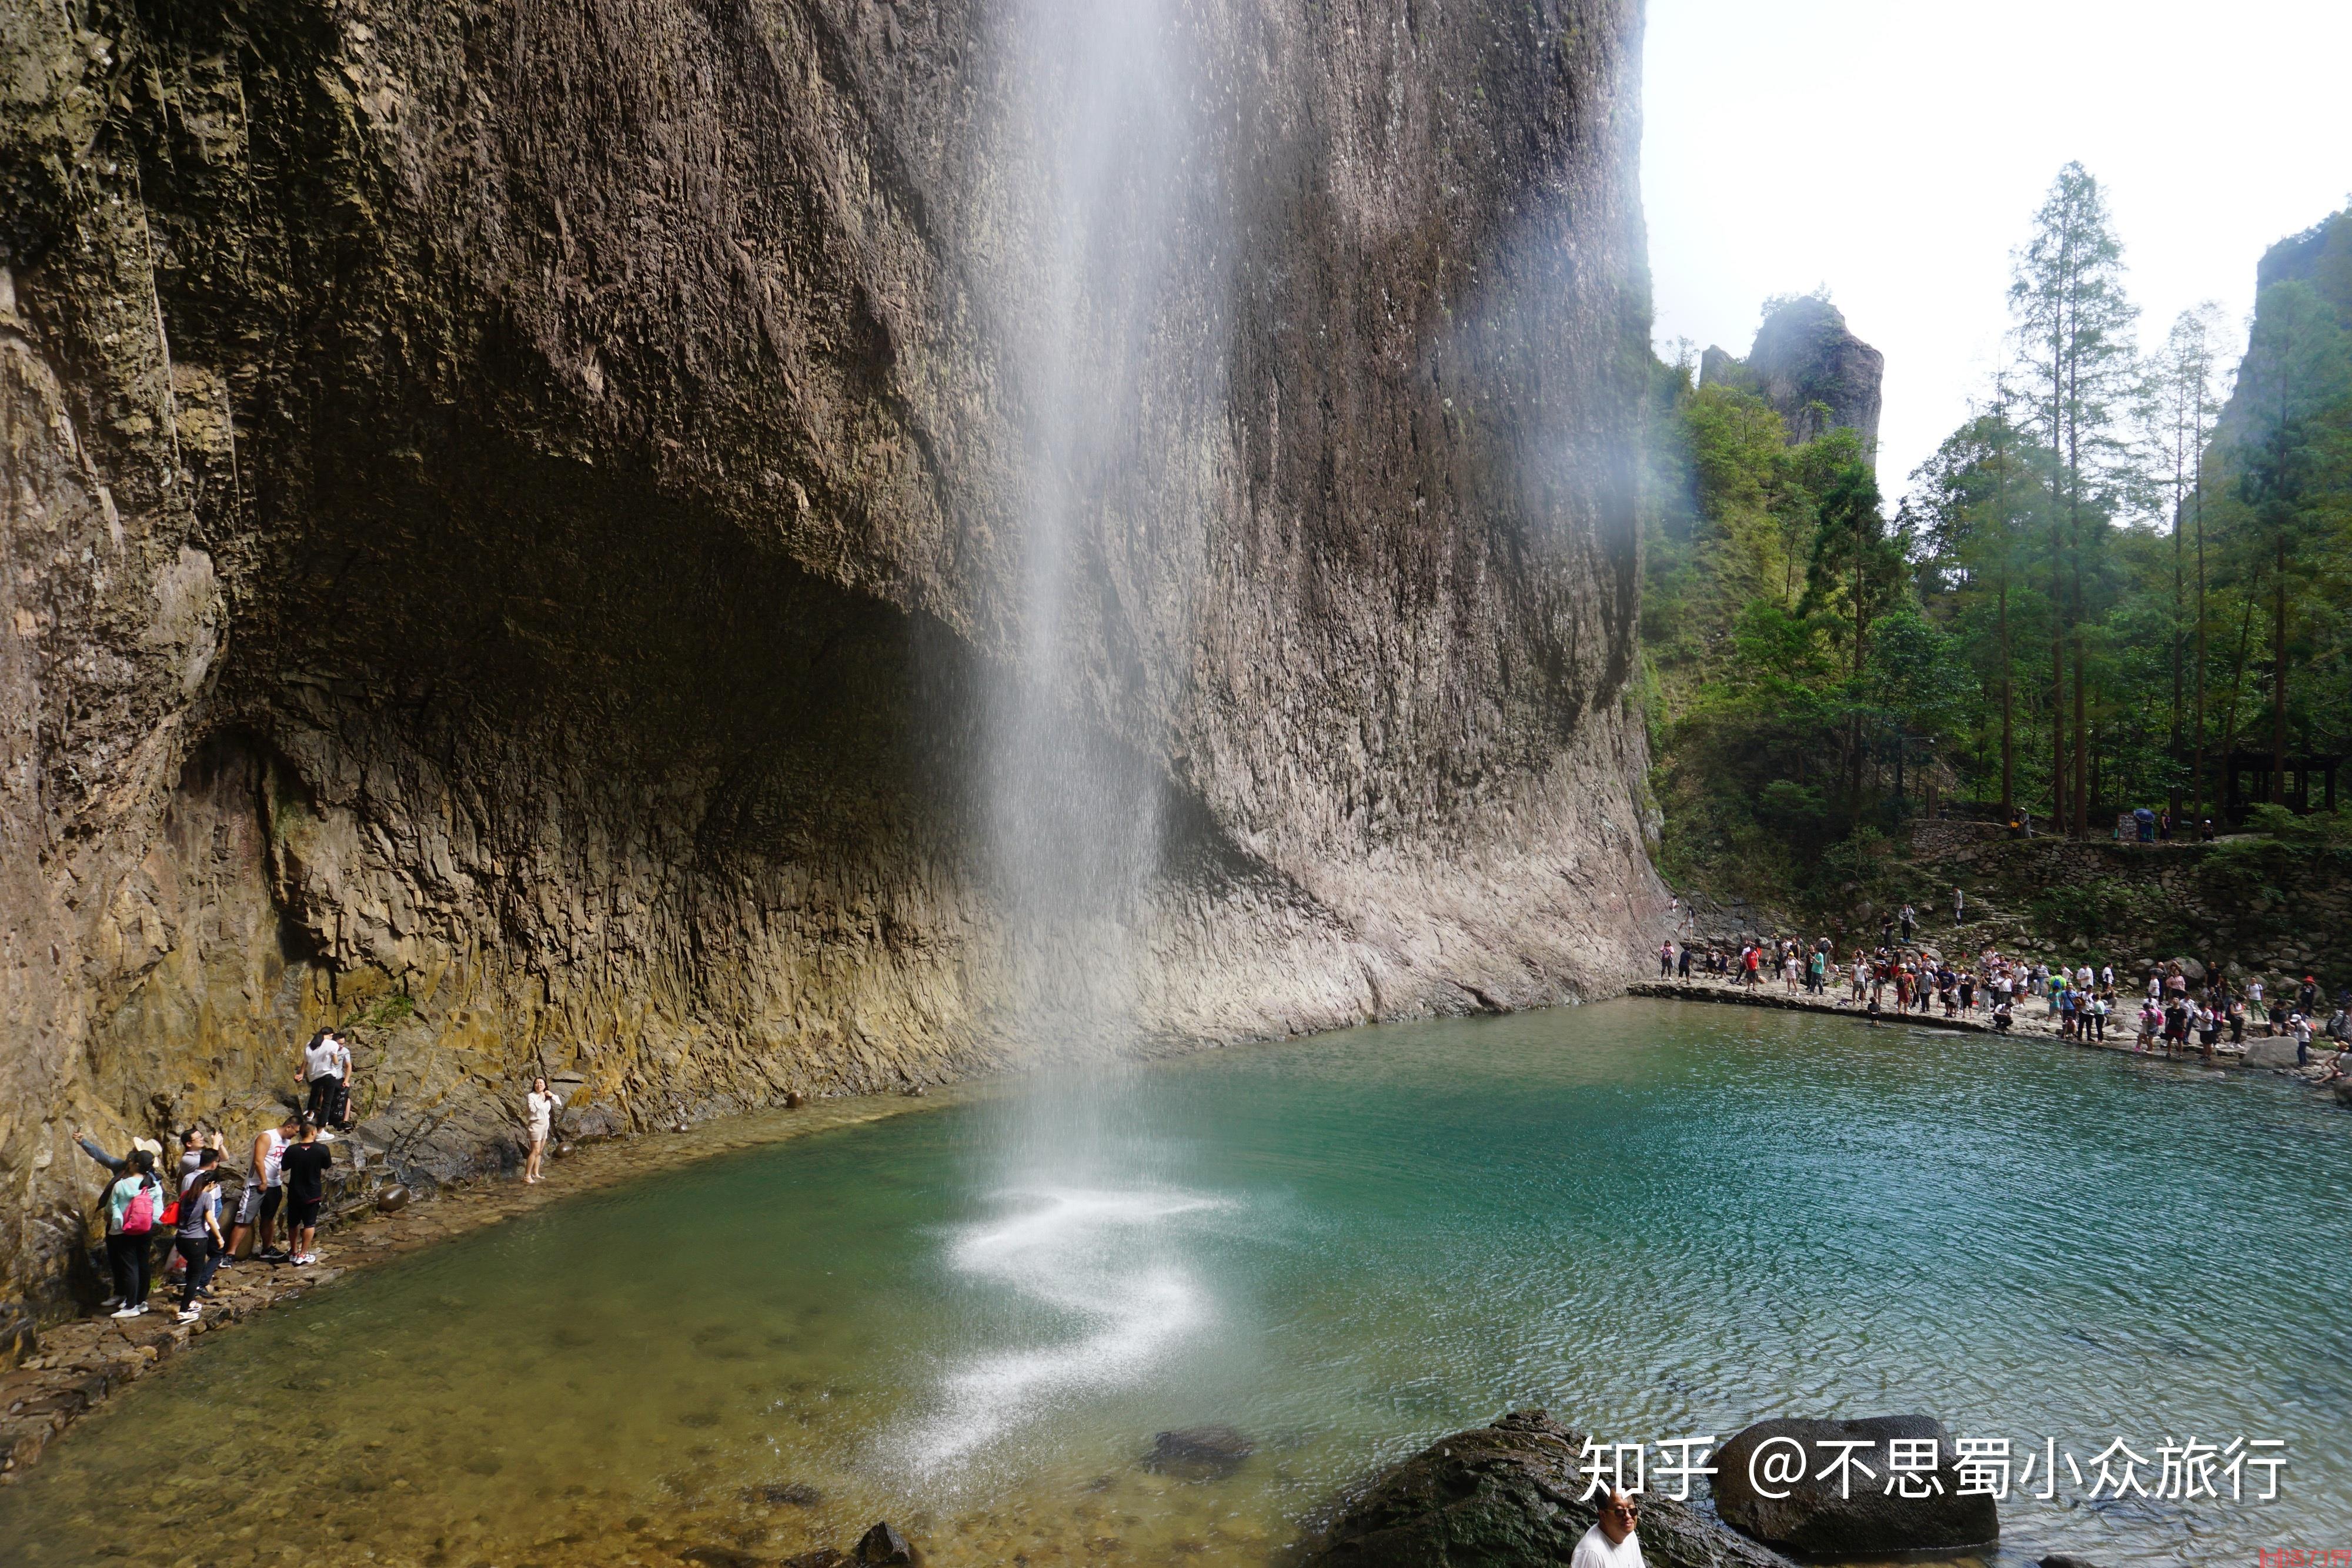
1854 558
2182 400
2297 368
2074 328
1975 499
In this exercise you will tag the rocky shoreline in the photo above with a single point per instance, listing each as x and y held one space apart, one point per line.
2028 1023
79 1365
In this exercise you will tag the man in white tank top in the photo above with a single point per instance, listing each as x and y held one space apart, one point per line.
265 1189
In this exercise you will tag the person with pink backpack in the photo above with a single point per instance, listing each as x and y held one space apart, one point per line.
134 1210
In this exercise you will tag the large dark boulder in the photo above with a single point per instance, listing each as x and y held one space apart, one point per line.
1814 1521
1505 1495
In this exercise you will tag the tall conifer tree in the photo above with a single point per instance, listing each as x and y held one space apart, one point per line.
2182 402
2073 329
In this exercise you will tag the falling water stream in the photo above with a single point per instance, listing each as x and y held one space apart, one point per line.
1075 1286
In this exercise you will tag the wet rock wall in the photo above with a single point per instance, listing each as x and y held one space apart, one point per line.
510 510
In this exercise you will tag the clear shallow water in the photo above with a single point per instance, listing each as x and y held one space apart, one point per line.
1655 1220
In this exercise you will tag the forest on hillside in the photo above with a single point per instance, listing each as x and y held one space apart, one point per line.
2122 572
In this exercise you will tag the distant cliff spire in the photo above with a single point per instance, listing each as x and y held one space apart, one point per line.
1804 355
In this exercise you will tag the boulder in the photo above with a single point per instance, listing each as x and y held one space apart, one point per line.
598 1120
2276 1052
1506 1494
2344 1092
1199 1451
883 1544
1853 1515
392 1199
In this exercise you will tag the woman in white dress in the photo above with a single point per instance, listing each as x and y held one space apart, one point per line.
540 1108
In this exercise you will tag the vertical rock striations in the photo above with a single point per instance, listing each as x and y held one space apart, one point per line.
506 508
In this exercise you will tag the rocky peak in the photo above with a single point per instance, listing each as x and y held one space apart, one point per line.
1805 355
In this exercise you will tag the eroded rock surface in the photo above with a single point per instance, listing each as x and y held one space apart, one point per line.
508 511
1509 1496
1835 1510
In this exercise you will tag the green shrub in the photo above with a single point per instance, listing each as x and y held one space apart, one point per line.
383 1012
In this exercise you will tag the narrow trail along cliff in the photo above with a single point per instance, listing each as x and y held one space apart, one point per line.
507 510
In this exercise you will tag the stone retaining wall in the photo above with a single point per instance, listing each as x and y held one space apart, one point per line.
2269 908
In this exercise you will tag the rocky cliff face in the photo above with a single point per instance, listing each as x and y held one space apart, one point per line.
1805 356
508 509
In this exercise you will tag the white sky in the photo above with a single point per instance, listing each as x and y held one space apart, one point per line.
1896 150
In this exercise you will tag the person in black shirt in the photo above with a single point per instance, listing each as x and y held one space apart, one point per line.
305 1167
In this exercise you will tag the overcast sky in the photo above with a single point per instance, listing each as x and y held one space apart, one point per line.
1896 150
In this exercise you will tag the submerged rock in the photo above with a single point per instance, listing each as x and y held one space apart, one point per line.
1814 1520
1199 1451
1508 1494
722 1557
882 1543
785 1494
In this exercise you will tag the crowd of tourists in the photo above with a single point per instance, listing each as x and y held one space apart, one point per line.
2166 1009
179 1225
169 1223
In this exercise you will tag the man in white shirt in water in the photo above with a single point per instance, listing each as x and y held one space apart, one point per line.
1611 1544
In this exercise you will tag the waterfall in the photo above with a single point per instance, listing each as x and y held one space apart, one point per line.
1095 251
1101 264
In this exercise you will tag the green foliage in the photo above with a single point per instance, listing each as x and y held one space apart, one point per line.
1816 665
2321 831
383 1012
1797 809
1778 708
